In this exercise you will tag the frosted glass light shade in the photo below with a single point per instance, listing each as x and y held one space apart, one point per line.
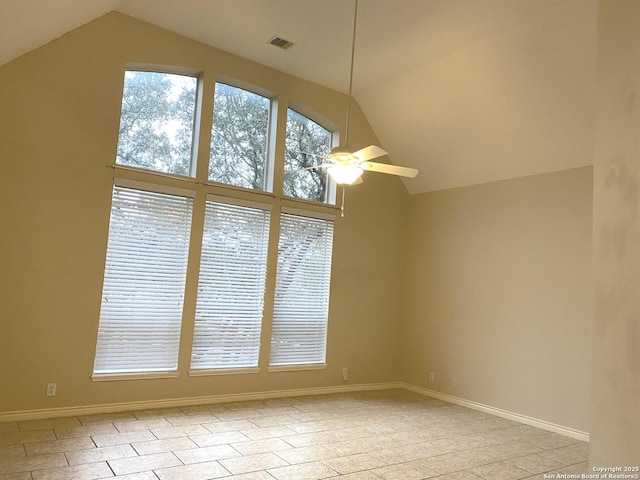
344 174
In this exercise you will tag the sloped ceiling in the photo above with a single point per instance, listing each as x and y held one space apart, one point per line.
467 91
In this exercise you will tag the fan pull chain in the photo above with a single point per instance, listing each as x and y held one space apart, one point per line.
342 206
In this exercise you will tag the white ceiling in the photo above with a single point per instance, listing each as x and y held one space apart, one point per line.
468 91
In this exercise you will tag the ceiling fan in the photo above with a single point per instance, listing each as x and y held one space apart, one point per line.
346 166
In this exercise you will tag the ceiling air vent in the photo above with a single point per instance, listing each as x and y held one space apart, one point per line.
281 42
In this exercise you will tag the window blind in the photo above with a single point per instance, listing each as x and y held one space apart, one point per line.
299 332
144 282
231 287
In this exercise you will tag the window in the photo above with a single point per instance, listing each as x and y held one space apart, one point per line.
307 143
167 215
156 122
144 282
299 333
233 270
239 138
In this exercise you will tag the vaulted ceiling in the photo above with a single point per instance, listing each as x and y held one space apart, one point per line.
467 91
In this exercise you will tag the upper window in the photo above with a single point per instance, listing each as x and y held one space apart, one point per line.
307 143
156 122
239 138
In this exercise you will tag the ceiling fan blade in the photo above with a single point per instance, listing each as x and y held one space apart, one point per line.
387 168
369 153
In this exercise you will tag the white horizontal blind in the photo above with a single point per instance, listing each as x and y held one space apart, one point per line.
144 282
231 288
299 334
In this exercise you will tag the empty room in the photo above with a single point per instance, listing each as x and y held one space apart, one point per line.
297 239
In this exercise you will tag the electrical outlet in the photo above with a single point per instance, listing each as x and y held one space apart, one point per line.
51 389
345 374
432 376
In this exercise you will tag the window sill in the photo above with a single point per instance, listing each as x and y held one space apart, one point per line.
115 377
296 368
223 371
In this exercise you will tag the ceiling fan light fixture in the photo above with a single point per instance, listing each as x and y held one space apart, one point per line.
344 174
340 155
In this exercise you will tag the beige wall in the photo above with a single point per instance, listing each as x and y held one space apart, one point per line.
615 409
496 276
59 114
498 295
517 101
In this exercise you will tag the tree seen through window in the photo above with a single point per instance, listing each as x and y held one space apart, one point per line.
306 144
157 129
156 122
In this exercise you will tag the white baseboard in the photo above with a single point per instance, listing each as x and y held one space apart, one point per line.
552 427
23 415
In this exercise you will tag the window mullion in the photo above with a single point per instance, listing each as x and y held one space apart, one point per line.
204 121
270 288
200 155
277 141
191 287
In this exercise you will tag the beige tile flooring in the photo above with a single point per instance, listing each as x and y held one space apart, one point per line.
387 434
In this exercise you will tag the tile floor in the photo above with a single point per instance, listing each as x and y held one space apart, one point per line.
390 434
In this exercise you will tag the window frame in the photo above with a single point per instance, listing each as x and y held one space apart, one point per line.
270 160
232 202
331 193
201 189
182 71
321 216
133 185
